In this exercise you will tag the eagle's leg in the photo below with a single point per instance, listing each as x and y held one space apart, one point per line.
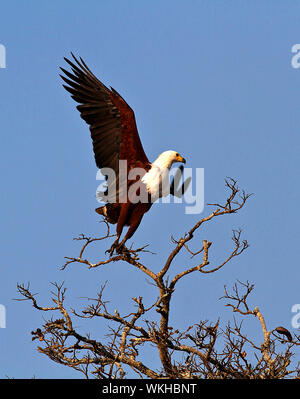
135 220
121 222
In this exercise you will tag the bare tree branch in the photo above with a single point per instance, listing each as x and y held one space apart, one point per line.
203 350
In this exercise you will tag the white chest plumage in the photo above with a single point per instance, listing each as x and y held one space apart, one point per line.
157 179
157 182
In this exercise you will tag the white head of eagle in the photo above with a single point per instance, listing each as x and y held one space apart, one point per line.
157 179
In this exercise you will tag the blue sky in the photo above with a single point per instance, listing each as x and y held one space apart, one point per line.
212 80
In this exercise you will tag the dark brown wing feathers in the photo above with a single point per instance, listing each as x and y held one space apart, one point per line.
112 121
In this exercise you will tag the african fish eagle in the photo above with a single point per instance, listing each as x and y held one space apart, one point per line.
115 138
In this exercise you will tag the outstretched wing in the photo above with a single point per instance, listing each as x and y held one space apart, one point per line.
111 120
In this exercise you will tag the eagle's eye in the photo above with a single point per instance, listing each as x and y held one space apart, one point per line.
177 155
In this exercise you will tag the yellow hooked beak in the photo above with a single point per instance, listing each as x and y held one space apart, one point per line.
179 158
